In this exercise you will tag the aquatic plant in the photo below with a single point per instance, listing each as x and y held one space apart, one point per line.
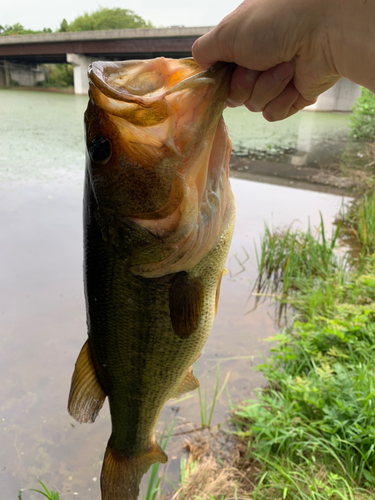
359 220
294 260
204 407
50 494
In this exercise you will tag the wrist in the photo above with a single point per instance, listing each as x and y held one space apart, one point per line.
352 41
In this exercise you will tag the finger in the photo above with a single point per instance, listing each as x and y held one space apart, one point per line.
206 50
241 86
270 84
286 104
301 103
217 44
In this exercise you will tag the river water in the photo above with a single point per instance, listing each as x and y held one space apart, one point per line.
42 317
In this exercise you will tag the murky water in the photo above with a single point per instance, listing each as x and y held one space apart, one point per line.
42 317
305 138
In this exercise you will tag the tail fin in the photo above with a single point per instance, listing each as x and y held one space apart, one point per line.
121 475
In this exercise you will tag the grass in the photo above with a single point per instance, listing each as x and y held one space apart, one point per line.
359 221
312 430
206 410
50 494
294 261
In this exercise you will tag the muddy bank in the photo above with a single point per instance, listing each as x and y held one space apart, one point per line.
69 90
326 178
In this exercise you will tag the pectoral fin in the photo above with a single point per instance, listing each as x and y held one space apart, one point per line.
86 395
185 304
188 384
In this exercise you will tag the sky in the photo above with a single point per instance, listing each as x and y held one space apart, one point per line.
37 14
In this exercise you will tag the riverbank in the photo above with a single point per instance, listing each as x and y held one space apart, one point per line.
351 171
58 90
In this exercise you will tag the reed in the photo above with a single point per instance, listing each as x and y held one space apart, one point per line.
206 410
50 494
293 261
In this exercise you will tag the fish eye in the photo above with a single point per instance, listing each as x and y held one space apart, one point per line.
100 150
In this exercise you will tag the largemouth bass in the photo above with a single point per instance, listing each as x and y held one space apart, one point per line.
158 221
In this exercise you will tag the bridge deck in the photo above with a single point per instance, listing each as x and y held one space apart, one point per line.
113 44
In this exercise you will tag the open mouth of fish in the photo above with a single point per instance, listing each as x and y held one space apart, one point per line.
165 126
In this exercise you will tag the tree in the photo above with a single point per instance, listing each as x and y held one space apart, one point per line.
18 29
108 19
64 25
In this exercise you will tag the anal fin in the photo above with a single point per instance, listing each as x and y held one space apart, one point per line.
121 475
86 395
189 383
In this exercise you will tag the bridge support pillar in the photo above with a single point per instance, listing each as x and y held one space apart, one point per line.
80 64
340 97
7 74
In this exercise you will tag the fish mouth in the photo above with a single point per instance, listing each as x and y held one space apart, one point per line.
169 115
121 81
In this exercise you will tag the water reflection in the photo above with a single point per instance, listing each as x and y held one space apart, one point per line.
307 138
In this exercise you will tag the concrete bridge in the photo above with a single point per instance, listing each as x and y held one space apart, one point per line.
22 54
81 48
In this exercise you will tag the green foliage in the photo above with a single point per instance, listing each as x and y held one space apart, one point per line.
101 19
312 430
63 26
206 418
362 121
287 257
360 219
60 76
50 494
18 29
291 261
107 19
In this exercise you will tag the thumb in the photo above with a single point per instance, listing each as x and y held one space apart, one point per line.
209 49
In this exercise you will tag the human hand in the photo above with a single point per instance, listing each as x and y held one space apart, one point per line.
290 51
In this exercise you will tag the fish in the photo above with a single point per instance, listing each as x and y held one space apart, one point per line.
158 221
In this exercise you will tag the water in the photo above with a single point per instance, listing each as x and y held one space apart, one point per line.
307 138
42 318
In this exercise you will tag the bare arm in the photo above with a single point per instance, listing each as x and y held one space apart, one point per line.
290 51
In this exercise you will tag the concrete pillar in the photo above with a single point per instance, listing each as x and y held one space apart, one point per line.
340 97
7 73
80 64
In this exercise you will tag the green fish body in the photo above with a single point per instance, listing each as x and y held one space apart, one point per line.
158 221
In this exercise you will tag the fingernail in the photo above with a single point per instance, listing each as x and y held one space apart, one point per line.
231 104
